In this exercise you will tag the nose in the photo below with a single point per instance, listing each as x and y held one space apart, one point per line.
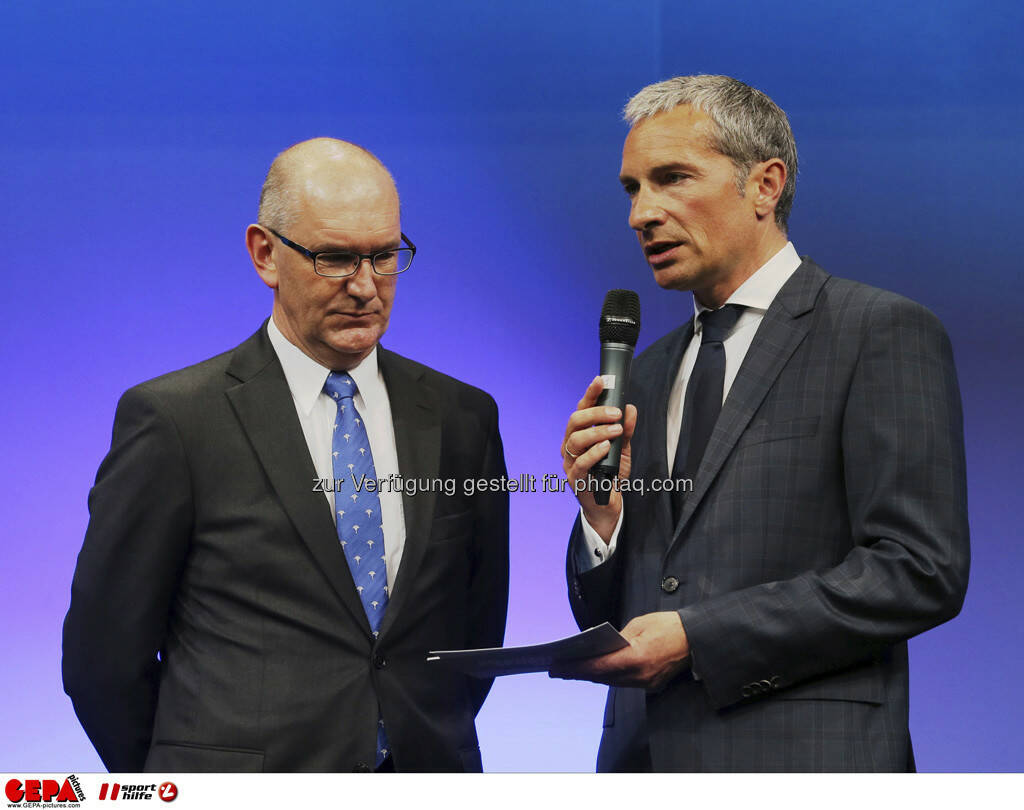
362 285
644 211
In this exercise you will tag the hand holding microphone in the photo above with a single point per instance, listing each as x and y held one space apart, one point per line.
595 450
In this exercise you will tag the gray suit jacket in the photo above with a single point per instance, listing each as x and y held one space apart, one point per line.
214 623
827 525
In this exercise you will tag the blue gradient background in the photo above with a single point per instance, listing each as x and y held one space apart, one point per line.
135 138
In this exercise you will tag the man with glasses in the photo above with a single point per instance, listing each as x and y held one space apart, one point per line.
259 586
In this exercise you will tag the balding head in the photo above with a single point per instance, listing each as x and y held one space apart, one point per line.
327 196
307 170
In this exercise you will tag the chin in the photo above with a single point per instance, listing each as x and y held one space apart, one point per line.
672 278
355 341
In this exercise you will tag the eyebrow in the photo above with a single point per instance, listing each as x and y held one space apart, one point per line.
662 168
336 249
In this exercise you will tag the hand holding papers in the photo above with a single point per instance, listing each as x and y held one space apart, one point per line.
488 663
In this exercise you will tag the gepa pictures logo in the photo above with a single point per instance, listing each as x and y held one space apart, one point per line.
38 792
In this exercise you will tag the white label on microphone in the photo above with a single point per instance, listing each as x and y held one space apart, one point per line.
608 381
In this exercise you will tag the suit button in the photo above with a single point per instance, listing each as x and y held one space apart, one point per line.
361 767
745 691
380 661
766 686
669 584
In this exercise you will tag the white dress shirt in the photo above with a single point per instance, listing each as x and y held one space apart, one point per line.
317 413
756 295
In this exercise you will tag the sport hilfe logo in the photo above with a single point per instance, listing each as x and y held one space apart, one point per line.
45 790
167 791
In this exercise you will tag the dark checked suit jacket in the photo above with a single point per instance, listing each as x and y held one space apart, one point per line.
214 624
826 526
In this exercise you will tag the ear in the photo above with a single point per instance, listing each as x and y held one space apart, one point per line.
766 181
261 251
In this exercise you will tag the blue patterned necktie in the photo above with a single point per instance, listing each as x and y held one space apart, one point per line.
359 520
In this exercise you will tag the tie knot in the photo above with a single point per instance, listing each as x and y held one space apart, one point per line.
340 386
717 323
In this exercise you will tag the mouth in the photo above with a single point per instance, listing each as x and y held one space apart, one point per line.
356 316
661 251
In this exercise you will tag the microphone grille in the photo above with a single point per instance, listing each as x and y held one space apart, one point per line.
620 317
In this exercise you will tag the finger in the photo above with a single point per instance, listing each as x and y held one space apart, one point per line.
613 669
629 423
580 467
591 394
618 664
577 675
617 668
581 441
602 415
634 627
606 680
569 673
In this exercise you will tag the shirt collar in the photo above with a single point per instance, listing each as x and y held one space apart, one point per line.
306 377
758 291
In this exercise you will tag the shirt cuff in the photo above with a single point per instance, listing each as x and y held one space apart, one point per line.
593 550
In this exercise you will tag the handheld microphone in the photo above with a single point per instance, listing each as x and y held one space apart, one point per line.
619 329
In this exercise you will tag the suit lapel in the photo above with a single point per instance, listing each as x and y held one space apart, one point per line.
416 414
780 333
264 406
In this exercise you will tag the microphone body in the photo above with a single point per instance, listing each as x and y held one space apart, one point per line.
616 359
619 329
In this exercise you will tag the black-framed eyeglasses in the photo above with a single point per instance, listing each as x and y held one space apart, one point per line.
339 264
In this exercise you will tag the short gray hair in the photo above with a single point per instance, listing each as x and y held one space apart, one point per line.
749 126
279 199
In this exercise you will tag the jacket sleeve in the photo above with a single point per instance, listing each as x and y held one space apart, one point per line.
905 481
593 593
488 594
140 518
